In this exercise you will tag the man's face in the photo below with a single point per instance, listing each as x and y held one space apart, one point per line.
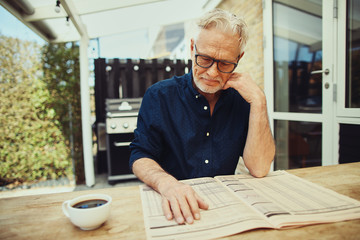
215 44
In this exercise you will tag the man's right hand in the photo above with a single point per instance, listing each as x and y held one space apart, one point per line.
180 201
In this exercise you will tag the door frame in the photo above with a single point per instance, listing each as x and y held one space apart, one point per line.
327 117
342 112
343 115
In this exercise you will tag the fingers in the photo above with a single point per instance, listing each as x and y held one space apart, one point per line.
180 209
247 88
166 208
234 80
183 205
183 211
201 203
191 208
196 203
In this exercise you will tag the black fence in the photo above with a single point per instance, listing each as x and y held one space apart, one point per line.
129 78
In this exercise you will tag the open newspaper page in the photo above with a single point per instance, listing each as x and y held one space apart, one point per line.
288 201
226 215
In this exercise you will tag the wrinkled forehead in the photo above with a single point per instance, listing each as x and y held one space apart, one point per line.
218 44
217 31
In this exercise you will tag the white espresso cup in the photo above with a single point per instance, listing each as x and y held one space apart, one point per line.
88 212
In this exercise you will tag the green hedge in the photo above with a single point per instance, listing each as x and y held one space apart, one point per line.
61 68
32 143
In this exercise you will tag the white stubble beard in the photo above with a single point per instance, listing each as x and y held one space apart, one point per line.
208 89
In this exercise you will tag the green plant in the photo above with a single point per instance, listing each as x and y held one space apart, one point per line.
62 78
32 145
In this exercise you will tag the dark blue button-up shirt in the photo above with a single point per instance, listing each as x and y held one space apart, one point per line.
175 129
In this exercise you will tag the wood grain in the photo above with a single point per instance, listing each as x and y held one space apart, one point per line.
41 217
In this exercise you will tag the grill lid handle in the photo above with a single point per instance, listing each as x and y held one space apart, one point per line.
125 106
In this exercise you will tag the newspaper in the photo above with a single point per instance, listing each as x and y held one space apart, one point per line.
238 203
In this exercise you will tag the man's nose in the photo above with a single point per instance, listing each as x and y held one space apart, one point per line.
213 70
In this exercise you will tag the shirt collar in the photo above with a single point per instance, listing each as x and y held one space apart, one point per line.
189 83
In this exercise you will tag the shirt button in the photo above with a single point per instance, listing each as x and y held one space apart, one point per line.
197 96
206 161
205 108
207 134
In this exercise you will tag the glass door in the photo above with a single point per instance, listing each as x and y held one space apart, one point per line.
348 82
301 97
349 55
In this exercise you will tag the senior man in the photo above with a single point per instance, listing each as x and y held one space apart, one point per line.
199 124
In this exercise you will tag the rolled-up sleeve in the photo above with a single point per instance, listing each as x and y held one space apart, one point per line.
147 141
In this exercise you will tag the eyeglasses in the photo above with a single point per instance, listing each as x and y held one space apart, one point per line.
206 62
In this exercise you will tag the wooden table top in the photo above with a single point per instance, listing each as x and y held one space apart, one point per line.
41 217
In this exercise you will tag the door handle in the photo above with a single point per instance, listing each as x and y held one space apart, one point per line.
326 71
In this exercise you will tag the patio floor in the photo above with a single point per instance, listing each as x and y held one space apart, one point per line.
59 186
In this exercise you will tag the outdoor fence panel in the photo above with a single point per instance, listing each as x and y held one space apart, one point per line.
130 78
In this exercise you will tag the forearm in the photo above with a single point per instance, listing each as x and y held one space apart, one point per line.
259 149
151 173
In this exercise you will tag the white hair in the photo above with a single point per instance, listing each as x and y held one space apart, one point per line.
227 22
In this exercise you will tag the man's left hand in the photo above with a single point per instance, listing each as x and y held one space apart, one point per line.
245 85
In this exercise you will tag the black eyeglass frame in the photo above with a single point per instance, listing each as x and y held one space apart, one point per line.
214 60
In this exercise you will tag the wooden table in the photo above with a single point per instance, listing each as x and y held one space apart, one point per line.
41 217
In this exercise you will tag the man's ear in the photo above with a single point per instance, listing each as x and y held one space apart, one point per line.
241 55
192 42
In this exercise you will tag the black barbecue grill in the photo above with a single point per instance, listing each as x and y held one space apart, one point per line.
121 119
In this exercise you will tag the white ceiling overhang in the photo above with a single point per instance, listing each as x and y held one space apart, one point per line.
99 18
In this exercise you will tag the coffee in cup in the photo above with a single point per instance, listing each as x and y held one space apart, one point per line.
88 212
